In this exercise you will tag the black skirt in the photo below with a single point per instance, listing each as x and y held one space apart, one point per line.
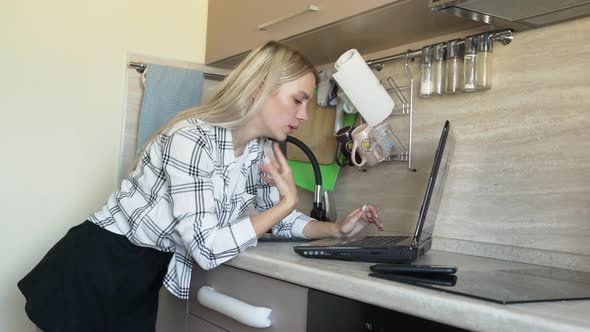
95 280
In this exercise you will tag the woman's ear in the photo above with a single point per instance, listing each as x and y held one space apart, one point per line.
256 92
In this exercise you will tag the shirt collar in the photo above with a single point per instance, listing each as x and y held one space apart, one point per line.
225 148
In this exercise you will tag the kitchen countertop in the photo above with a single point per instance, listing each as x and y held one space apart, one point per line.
350 279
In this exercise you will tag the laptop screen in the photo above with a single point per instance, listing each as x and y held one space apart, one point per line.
436 185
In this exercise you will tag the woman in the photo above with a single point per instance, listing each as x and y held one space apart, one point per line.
184 200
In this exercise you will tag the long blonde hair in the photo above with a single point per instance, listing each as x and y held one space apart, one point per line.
241 94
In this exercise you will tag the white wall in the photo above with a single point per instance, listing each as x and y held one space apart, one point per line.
62 81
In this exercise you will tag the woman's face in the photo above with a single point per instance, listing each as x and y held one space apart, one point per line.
285 109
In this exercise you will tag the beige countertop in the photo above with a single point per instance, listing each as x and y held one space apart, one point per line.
350 279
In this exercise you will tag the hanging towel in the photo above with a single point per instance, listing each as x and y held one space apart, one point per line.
168 90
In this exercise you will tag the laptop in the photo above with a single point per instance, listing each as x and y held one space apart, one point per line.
394 249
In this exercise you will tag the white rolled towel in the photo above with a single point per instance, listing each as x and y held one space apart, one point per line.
363 88
242 312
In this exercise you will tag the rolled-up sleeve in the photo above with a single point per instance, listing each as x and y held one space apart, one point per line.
189 167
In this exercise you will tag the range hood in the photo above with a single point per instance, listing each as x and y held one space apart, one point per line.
514 14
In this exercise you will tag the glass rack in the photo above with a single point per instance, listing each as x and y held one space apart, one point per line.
403 97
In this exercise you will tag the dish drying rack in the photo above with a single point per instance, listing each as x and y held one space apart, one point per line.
405 96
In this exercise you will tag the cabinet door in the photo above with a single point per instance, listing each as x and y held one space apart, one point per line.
195 324
287 301
171 313
232 26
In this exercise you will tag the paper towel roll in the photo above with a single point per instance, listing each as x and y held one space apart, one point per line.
236 309
363 88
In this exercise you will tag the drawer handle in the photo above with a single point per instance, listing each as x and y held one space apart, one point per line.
309 8
242 312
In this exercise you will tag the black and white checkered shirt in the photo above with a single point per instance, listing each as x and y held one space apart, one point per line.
187 196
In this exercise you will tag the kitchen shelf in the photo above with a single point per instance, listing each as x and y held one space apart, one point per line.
404 97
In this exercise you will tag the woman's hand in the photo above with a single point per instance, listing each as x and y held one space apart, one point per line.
357 220
275 164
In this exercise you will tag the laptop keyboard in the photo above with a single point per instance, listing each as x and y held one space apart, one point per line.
378 241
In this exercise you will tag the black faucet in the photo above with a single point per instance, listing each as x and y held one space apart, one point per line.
323 203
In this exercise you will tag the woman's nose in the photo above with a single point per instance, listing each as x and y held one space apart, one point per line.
302 114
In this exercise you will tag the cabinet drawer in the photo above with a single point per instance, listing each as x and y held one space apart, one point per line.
287 301
195 324
232 26
171 313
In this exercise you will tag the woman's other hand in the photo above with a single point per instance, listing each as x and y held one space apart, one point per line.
357 220
275 164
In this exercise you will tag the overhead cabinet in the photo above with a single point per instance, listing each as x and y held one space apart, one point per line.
234 27
320 29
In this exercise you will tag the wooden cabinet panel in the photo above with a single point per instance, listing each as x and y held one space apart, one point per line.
195 324
287 301
232 26
368 26
171 313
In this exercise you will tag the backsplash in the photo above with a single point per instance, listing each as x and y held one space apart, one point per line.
519 183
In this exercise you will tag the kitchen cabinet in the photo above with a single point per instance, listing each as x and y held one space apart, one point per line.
323 35
341 290
171 313
196 324
287 301
232 26
294 308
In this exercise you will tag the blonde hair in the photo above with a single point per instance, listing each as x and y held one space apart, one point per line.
241 94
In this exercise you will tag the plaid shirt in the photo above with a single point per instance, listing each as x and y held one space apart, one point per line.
187 196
